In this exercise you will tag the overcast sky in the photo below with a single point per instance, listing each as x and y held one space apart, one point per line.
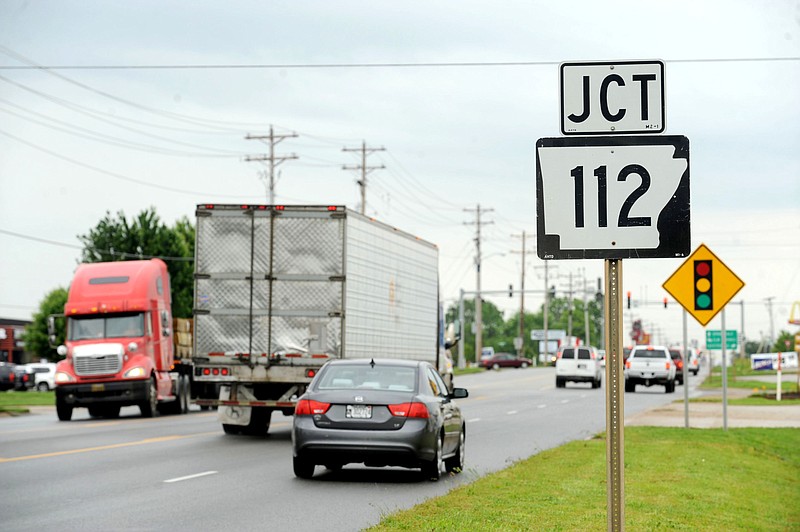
76 143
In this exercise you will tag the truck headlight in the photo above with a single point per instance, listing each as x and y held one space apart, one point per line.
134 373
63 377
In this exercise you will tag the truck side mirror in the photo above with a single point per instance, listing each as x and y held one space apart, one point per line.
51 326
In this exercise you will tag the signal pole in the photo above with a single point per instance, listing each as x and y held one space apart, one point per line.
364 170
272 139
478 301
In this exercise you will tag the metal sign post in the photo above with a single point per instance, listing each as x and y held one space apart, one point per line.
615 386
724 376
685 373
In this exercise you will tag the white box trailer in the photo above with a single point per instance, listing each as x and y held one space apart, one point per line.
279 290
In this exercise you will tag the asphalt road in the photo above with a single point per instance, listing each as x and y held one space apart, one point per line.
182 472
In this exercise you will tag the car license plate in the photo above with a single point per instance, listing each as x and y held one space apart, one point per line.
581 366
358 411
98 387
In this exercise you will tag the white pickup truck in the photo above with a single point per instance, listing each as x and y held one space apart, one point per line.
649 365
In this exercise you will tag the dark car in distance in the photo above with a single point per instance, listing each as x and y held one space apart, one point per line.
677 358
8 376
379 413
505 360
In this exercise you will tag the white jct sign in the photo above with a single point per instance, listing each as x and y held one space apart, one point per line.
625 97
613 197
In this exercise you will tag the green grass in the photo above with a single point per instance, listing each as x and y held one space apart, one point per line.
16 402
753 400
741 479
467 371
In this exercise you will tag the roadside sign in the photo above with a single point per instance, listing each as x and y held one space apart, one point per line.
552 334
714 339
703 285
603 98
612 197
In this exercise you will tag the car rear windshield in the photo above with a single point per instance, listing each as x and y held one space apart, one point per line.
568 354
650 353
349 377
583 354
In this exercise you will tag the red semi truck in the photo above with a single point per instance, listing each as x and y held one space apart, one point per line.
119 346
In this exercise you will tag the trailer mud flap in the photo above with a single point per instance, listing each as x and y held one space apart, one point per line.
234 415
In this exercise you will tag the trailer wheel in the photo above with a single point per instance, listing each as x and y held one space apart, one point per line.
259 422
232 429
149 406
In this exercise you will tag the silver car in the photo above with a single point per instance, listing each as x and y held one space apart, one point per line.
379 413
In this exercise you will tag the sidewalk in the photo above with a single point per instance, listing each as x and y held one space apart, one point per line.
709 415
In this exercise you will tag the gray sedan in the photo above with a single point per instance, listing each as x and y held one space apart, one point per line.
380 413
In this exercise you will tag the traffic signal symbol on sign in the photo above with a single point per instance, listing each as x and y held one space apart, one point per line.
703 295
703 285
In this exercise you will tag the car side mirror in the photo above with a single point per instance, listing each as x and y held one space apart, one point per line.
459 393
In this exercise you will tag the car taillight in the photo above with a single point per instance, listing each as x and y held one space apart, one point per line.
418 410
628 364
308 407
669 365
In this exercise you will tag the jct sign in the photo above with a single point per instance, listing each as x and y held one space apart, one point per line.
612 98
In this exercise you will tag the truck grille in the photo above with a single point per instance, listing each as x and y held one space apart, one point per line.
97 364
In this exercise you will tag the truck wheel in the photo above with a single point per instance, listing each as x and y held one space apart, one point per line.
259 422
149 406
232 429
186 389
630 387
670 387
302 468
63 410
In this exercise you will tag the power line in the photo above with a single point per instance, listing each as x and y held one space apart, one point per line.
271 66
115 175
365 170
272 159
111 252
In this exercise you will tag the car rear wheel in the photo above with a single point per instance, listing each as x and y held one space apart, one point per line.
524 365
455 464
670 387
495 366
433 469
630 387
560 382
43 387
302 468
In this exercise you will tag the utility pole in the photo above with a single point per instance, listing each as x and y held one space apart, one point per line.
524 237
273 160
771 322
478 301
364 170
586 311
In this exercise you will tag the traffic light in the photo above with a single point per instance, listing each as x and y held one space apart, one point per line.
629 300
702 285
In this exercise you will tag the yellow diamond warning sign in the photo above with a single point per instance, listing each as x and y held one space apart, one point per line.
703 285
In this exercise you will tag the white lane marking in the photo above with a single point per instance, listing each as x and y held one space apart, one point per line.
189 477
473 420
564 401
512 412
542 406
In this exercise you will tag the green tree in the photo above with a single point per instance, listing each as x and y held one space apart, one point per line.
493 327
36 337
781 345
142 237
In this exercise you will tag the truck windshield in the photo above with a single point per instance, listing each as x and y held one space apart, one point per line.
115 326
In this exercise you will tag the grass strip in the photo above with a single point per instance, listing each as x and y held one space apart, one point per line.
689 479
